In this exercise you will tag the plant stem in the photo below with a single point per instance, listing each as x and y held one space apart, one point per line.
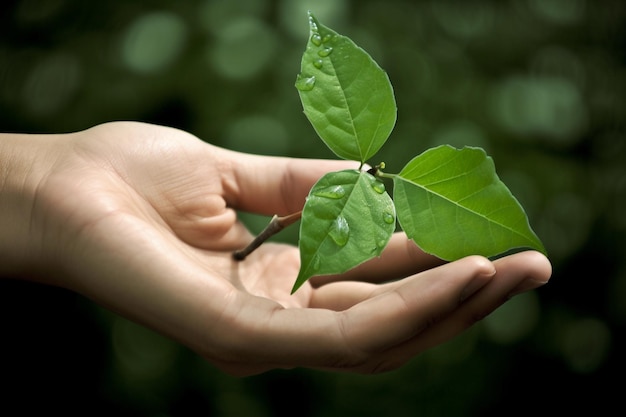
377 171
381 174
275 225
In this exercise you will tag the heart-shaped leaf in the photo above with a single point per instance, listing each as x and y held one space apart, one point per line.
348 218
346 96
452 204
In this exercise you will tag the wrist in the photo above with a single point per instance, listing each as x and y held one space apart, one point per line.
25 161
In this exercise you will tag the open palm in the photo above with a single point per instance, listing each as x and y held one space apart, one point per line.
143 220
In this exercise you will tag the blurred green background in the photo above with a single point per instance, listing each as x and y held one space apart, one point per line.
540 84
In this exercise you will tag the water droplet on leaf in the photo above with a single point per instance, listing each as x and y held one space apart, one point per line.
305 83
378 186
313 24
316 39
327 38
325 52
340 231
318 63
388 217
334 192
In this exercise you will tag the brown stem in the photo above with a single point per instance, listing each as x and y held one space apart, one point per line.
275 225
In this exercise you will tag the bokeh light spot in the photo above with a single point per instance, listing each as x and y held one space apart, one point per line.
51 83
215 15
153 41
244 47
585 344
551 108
257 134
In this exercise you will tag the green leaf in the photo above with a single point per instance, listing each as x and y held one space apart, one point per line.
452 204
348 218
346 96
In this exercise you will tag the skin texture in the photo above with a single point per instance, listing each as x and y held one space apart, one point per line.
142 219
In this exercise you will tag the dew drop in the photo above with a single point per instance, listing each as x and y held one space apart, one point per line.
340 231
334 191
318 63
324 52
388 217
316 39
312 24
327 38
305 83
381 241
378 186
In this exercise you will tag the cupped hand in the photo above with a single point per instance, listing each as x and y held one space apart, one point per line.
143 220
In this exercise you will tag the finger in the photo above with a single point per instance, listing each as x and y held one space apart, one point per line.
401 258
342 295
415 303
353 338
273 185
209 224
514 274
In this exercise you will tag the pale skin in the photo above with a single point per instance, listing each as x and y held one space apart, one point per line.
142 219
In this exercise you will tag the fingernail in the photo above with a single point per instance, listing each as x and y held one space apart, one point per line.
526 285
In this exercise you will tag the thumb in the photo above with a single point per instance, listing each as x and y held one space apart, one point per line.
274 185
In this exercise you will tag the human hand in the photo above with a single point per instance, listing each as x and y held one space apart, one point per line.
142 219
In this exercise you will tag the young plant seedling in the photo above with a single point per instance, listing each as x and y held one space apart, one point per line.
449 201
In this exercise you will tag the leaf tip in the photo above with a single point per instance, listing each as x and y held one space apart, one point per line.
299 281
313 23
